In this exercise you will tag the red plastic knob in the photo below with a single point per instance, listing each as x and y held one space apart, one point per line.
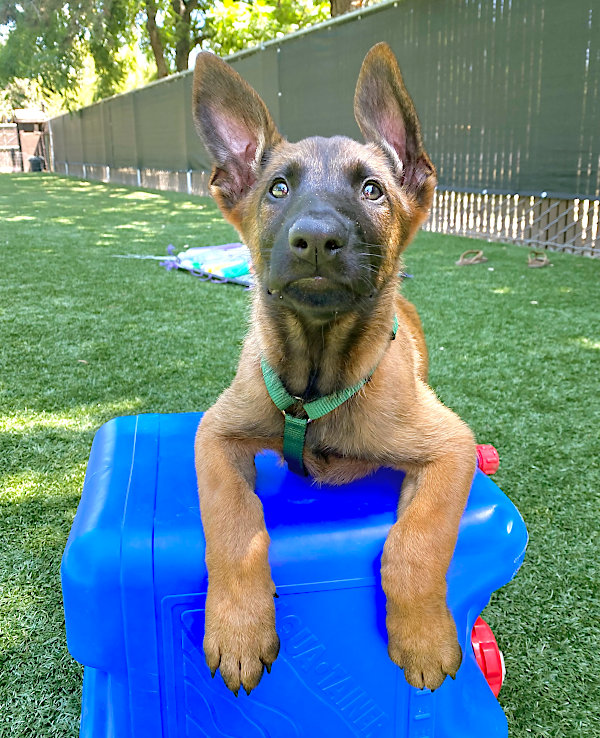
488 655
487 458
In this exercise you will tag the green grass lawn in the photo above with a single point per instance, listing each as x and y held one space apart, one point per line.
85 336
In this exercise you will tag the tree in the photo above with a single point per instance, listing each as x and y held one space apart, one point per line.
224 26
339 7
155 38
235 25
49 41
173 29
41 44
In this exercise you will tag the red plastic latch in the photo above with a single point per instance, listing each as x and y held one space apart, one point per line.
487 458
488 655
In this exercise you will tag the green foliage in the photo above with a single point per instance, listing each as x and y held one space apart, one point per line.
50 41
235 25
44 42
111 32
24 93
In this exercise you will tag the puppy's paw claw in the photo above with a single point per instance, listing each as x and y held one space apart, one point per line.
240 640
427 652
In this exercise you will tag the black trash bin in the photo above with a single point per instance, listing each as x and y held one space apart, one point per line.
36 164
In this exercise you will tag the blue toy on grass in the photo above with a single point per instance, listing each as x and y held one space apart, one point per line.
134 584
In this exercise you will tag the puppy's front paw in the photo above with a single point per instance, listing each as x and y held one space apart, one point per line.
424 644
240 638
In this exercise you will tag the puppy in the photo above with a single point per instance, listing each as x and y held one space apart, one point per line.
332 373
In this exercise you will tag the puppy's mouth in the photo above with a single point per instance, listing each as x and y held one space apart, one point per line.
316 294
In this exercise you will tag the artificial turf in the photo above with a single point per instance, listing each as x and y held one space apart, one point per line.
85 336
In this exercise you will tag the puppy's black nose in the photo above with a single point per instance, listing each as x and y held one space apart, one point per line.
317 238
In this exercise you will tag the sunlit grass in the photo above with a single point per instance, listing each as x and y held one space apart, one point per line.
79 418
85 336
589 343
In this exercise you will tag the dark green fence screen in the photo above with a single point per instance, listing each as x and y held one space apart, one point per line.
508 92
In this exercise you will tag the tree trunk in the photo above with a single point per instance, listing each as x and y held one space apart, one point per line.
182 46
183 32
155 40
339 7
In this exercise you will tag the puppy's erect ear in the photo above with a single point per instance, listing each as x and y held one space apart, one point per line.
386 115
234 125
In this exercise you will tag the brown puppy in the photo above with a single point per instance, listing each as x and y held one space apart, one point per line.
326 221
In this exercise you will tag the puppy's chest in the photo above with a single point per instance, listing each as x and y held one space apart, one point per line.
336 455
339 429
347 431
340 435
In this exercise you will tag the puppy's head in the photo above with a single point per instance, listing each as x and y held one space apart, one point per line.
325 219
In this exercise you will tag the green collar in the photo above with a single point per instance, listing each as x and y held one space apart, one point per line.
294 430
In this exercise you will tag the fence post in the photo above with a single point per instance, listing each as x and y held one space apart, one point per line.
51 165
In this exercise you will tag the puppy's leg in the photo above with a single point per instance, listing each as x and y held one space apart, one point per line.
240 637
417 553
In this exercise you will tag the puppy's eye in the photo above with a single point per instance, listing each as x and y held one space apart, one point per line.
372 191
279 188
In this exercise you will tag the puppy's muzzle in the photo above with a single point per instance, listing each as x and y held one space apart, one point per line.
317 239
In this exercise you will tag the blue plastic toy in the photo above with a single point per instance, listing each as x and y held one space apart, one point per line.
134 581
